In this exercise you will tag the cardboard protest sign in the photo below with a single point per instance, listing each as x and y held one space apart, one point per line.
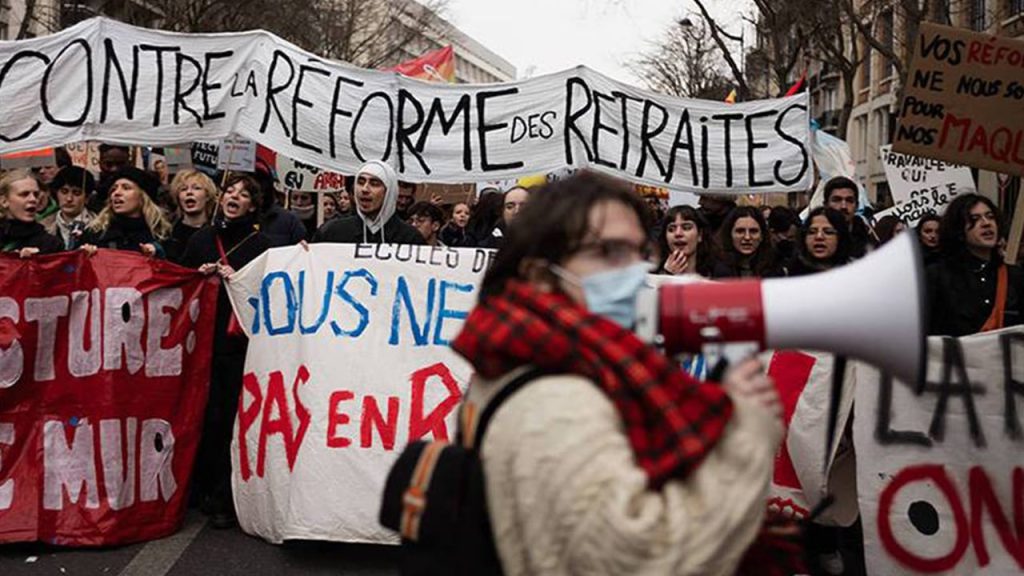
299 177
107 80
85 155
963 98
236 154
940 476
348 361
922 185
104 368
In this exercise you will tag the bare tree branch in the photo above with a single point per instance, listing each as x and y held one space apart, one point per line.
717 33
26 21
685 63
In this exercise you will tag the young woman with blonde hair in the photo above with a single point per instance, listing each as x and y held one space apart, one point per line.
131 219
195 196
19 204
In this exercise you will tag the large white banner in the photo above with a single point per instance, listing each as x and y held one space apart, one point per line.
105 80
348 361
802 479
941 476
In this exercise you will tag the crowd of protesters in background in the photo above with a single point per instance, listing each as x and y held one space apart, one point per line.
158 213
218 223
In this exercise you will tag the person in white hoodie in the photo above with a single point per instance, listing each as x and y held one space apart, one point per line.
375 220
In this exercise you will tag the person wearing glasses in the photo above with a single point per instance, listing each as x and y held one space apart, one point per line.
611 460
428 219
824 243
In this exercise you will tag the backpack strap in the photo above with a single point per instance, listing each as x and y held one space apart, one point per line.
475 427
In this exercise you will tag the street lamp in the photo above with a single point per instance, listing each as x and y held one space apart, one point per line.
687 24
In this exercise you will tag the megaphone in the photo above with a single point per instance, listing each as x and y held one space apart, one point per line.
872 310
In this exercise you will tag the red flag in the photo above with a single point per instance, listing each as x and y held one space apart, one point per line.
799 86
435 66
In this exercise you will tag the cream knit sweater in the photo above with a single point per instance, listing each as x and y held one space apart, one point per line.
566 496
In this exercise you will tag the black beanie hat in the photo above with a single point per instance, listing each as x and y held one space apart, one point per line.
75 177
144 180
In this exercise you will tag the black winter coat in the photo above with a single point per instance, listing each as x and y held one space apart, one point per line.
350 230
961 294
122 234
15 235
174 247
244 243
281 227
455 237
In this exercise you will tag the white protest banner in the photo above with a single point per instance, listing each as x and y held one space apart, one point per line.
348 361
677 198
236 154
922 185
801 479
107 80
299 177
940 476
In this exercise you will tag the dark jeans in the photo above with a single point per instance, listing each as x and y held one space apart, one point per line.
213 461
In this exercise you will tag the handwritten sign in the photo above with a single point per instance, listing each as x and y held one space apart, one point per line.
299 177
236 154
921 186
104 369
107 80
940 476
348 361
963 99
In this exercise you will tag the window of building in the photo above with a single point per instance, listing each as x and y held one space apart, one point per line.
882 127
865 69
887 33
979 15
829 103
862 135
1014 7
942 13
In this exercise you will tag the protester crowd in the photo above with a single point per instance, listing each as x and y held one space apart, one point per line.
217 225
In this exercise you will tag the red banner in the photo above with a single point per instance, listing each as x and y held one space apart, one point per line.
104 369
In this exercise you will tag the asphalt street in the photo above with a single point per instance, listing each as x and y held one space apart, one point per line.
198 549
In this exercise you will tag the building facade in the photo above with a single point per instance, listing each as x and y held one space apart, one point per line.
474 62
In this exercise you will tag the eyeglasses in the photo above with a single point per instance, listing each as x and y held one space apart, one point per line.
617 252
826 231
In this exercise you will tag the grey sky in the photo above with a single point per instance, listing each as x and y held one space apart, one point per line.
552 35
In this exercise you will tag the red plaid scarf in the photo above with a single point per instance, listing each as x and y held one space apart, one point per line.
671 419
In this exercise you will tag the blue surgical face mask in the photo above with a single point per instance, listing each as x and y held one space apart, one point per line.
611 293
